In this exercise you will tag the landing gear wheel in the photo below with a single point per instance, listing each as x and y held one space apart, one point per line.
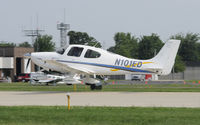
92 87
97 87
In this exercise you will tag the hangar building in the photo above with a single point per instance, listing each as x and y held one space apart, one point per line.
12 61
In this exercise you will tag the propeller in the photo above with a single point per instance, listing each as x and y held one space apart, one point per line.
28 63
27 55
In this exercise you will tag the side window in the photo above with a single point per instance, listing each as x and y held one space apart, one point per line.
75 51
92 54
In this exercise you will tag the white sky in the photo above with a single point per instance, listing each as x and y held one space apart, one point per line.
99 18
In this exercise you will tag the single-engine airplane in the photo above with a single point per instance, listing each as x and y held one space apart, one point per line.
90 61
43 78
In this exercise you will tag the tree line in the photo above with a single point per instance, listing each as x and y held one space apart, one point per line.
42 43
147 47
144 47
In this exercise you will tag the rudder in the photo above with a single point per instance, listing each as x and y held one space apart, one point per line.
166 57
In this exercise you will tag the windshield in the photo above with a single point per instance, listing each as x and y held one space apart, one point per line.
60 51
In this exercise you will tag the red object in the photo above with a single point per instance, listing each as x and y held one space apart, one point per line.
194 82
146 82
148 76
113 82
184 82
23 77
199 82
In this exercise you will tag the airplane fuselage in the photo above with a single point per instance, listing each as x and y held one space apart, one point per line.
92 61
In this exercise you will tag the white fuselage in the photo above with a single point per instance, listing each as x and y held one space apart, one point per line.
105 63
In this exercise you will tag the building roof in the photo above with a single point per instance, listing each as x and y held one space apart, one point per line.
14 51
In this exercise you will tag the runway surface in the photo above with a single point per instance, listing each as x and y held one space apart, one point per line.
141 99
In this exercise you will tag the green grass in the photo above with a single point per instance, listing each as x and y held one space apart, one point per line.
107 88
191 81
42 115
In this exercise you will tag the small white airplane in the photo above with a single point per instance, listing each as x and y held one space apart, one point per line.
90 61
43 78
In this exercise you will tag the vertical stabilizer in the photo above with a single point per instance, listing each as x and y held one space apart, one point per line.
166 57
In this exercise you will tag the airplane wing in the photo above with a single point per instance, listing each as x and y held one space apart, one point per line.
70 68
49 80
45 81
82 70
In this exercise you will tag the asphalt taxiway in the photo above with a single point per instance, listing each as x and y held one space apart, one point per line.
125 99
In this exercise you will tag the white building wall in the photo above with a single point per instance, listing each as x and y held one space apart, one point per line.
128 76
6 63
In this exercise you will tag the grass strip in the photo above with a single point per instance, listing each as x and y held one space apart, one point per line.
106 88
59 115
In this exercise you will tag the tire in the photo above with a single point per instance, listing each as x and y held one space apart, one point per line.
93 87
99 87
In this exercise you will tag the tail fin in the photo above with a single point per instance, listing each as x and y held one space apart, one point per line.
166 57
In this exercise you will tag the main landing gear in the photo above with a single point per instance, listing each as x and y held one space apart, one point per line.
94 83
96 86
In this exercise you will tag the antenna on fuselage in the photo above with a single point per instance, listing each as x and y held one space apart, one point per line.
96 44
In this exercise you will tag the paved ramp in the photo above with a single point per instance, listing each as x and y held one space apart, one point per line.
141 99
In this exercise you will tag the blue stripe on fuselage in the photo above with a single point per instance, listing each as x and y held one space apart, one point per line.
107 66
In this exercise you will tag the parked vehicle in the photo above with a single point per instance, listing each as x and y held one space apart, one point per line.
23 77
138 77
142 77
148 77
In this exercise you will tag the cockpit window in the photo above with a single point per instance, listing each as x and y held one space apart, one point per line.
75 51
92 54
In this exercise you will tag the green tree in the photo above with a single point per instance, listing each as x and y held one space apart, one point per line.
25 44
44 43
189 47
111 49
179 65
82 38
198 50
125 45
148 45
8 44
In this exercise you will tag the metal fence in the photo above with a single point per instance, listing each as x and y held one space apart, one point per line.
191 73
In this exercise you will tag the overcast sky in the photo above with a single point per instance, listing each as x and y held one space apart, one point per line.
99 18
